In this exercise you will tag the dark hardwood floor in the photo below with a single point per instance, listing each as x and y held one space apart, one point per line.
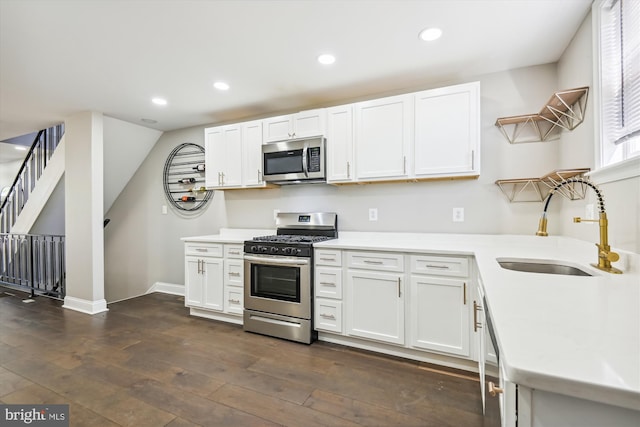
146 362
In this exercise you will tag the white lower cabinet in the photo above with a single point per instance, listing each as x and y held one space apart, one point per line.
440 315
234 300
328 315
375 305
328 291
214 282
440 304
204 286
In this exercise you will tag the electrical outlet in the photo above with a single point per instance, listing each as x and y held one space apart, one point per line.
373 214
458 214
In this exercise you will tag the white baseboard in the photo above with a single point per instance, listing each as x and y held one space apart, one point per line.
166 288
85 306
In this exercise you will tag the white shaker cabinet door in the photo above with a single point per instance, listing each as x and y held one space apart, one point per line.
382 137
375 306
440 315
447 131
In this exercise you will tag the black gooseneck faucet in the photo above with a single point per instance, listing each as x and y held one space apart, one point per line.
605 255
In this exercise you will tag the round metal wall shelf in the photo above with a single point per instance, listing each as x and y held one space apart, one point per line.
183 178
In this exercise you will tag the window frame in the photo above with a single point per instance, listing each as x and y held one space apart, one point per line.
629 166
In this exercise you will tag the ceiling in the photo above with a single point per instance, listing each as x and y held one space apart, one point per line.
59 57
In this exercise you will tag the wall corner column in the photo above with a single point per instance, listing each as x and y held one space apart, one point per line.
84 188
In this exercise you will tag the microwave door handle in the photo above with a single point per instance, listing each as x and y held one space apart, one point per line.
305 166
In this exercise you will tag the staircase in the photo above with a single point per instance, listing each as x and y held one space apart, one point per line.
30 172
35 263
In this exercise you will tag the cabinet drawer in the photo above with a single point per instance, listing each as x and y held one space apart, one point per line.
330 257
328 315
328 282
440 265
234 272
234 301
233 251
376 261
203 249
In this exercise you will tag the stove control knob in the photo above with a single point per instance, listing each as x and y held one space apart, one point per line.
263 249
288 251
254 249
274 250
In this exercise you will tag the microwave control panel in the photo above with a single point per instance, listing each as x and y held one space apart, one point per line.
314 159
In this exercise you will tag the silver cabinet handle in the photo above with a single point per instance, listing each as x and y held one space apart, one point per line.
328 259
234 301
219 179
442 267
198 266
404 165
348 170
234 252
368 261
234 273
328 284
476 308
399 289
327 316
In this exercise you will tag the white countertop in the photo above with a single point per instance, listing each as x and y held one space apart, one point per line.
230 235
578 336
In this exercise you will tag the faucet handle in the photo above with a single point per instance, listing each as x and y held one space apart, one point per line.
613 256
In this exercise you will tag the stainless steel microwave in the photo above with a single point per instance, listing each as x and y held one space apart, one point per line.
294 161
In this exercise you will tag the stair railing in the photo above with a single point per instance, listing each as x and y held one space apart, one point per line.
34 163
33 263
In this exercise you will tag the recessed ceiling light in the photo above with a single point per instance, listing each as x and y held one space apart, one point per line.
221 86
326 59
20 148
159 101
430 34
150 121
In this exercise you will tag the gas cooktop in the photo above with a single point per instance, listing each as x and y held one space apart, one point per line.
291 238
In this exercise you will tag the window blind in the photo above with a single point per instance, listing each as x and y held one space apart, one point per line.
620 71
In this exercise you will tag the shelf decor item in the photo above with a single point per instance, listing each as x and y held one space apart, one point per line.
564 110
537 189
183 178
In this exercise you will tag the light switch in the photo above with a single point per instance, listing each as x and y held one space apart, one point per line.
373 214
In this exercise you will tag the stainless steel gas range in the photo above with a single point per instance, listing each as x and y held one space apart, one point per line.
278 276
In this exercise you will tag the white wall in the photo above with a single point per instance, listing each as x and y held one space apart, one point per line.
142 246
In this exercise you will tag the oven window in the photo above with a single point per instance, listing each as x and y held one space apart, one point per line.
283 162
281 283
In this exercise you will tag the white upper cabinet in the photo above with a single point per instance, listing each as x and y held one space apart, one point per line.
447 131
252 158
299 125
223 156
340 144
382 137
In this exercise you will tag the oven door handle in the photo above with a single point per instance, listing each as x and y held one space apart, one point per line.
276 261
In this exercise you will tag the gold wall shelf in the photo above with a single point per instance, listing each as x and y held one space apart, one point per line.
537 189
564 110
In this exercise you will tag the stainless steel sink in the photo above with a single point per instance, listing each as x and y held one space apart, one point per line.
541 266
